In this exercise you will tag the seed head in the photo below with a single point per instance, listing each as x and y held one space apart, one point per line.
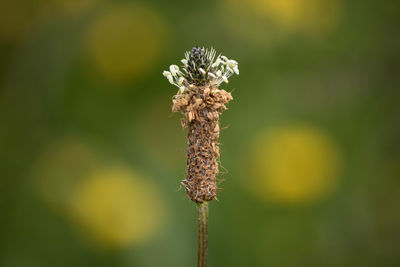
202 103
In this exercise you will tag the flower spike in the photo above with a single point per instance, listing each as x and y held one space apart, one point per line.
201 67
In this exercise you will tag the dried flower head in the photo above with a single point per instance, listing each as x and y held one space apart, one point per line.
201 102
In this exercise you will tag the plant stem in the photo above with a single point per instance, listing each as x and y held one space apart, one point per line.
203 233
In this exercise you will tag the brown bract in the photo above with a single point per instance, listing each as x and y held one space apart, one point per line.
202 107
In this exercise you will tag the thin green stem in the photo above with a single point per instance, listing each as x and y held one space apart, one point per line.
203 233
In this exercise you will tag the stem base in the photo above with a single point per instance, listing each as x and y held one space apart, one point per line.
203 234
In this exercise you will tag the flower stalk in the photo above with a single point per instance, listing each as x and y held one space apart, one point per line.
203 234
201 102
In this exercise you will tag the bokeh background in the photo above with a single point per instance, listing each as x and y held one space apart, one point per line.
92 157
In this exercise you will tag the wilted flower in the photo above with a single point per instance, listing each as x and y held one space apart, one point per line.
201 102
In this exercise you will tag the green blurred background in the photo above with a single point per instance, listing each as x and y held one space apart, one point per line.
92 156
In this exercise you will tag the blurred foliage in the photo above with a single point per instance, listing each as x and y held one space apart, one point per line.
91 156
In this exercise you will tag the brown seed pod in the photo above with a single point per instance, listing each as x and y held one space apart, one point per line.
202 110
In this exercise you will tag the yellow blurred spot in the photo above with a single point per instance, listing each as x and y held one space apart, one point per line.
300 14
266 20
59 168
294 165
124 42
117 207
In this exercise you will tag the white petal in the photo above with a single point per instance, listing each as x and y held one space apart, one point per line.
181 79
219 73
170 79
224 58
231 63
212 75
166 73
236 70
202 71
225 79
184 61
174 69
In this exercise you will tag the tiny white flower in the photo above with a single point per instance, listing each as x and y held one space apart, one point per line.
224 58
231 64
212 75
170 79
236 70
174 69
202 71
166 73
184 61
218 73
225 79
180 82
234 61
